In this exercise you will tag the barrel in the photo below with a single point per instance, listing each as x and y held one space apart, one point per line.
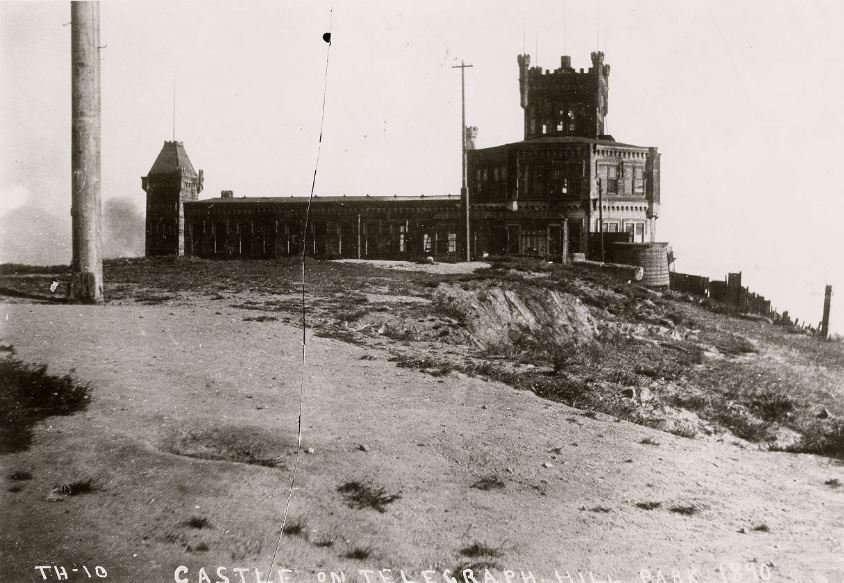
651 257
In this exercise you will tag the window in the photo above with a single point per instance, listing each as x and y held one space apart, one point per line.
486 174
426 242
560 173
572 124
610 227
544 129
478 175
495 174
612 180
533 126
638 180
452 242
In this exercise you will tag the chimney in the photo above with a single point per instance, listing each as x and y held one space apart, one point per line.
524 66
565 62
471 136
227 194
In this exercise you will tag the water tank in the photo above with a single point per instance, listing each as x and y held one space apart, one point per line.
651 257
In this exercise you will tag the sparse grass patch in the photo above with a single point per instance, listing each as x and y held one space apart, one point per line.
336 334
20 268
488 483
399 333
494 372
773 403
600 509
564 388
424 364
76 488
477 549
648 505
762 528
676 317
197 522
260 319
28 394
690 354
447 306
833 483
294 527
152 298
361 495
734 345
685 509
822 436
687 430
324 543
349 308
649 441
20 476
358 553
746 426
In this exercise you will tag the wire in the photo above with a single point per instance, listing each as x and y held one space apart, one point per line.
304 305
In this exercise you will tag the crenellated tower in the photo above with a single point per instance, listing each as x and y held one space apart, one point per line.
564 102
170 183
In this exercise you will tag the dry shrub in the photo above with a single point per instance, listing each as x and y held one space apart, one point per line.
28 394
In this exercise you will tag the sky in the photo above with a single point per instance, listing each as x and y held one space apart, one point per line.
742 98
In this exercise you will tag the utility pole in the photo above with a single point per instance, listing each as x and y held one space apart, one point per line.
464 189
827 300
86 284
601 218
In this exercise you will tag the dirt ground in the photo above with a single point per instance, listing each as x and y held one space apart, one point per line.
487 476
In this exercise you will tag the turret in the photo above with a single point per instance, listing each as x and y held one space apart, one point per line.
524 65
471 136
170 183
564 102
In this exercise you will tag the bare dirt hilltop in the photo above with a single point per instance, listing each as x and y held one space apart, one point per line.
522 421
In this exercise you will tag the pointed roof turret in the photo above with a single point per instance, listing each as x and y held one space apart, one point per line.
172 160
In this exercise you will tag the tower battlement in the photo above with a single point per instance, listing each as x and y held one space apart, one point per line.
565 101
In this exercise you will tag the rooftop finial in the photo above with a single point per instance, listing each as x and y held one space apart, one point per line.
174 106
565 33
524 35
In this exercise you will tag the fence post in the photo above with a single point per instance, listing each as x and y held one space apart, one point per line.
827 300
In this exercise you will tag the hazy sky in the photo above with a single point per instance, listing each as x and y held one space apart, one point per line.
743 99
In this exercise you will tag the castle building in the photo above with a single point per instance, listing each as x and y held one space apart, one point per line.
566 187
567 178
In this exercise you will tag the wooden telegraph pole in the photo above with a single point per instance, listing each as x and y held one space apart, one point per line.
464 189
827 300
86 283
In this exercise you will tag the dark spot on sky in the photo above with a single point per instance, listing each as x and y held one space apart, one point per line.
327 37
